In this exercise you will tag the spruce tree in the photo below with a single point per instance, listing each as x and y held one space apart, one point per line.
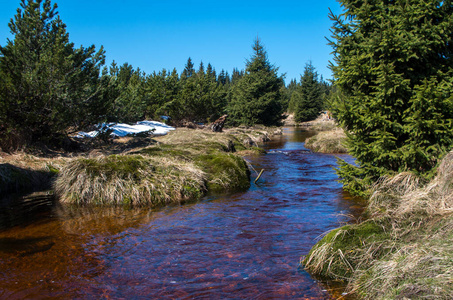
256 97
307 98
223 78
47 84
393 69
164 95
129 105
188 69
200 97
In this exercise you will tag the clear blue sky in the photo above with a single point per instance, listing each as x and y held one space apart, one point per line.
161 34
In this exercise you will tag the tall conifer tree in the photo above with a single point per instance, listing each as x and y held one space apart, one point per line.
188 69
307 98
256 97
394 70
47 84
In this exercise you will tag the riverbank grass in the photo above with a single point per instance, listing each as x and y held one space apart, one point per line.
179 167
21 173
404 249
331 141
129 180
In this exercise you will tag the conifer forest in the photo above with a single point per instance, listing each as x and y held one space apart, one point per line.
50 88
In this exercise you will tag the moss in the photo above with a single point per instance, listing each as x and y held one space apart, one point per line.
342 247
239 146
52 170
122 166
167 151
226 172
258 150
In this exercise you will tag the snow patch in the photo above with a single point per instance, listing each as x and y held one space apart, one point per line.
121 129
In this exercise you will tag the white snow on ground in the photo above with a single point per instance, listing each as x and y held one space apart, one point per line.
120 129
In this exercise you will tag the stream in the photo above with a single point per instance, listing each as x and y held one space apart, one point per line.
244 245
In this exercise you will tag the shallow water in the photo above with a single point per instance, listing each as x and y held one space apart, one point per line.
241 246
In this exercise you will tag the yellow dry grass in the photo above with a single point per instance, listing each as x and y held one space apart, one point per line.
153 181
332 141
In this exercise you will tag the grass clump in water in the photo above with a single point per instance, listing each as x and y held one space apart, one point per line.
129 180
179 167
343 250
225 172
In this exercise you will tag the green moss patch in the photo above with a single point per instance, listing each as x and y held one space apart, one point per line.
225 172
340 252
119 166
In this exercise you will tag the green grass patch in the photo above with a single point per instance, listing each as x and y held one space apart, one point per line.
119 166
341 251
225 172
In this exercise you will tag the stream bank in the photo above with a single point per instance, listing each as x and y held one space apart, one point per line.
404 248
242 244
179 167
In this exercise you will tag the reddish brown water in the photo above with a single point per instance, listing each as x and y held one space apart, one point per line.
241 246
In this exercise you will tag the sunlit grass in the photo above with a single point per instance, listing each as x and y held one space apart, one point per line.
332 141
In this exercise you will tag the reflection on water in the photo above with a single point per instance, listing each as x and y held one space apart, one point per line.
245 245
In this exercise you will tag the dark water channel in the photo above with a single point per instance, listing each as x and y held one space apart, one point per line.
241 246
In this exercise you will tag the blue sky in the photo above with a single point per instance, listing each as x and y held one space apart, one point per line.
161 34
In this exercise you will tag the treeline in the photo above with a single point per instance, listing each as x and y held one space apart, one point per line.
49 88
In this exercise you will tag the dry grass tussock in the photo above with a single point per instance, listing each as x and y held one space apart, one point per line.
129 179
332 141
321 124
405 248
405 195
241 138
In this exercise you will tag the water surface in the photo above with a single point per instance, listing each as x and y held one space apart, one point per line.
241 246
